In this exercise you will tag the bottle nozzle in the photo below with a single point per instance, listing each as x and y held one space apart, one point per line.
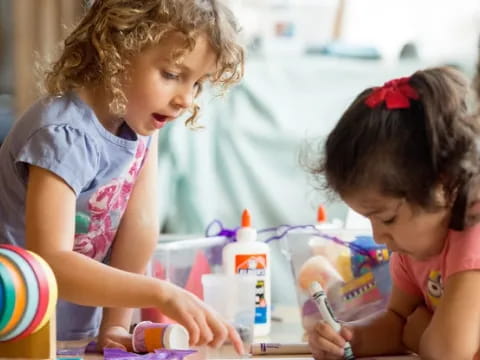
321 214
246 219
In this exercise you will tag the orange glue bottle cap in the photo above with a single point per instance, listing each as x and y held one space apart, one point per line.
246 232
246 218
321 215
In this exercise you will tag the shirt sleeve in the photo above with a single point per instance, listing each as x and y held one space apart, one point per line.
402 276
464 251
65 151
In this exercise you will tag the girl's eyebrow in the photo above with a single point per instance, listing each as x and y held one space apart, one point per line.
186 69
374 212
380 210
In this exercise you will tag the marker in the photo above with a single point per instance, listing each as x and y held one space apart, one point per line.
320 298
280 349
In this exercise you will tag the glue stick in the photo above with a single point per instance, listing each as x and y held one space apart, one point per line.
148 336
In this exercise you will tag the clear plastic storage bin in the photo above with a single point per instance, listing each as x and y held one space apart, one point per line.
183 262
356 277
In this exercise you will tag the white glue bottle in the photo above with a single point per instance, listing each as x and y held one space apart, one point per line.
247 256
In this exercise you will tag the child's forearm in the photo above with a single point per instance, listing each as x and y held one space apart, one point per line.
95 284
448 344
117 317
414 328
379 334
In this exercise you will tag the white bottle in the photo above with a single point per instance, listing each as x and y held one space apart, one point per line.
250 257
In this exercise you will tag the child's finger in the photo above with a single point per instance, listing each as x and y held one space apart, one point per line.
235 339
192 328
219 329
110 344
324 330
346 333
206 334
318 355
320 344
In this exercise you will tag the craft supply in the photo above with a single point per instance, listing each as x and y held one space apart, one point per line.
52 287
318 295
20 296
280 348
28 292
246 256
163 354
149 336
32 293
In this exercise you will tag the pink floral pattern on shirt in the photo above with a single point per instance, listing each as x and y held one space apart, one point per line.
106 208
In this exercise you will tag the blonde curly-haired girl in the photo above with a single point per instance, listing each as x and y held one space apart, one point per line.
78 169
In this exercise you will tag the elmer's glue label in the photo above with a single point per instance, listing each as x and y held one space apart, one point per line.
247 256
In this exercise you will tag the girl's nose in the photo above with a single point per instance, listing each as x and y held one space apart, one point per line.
184 98
379 236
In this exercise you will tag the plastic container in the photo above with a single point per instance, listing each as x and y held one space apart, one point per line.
148 337
247 256
183 262
356 284
233 297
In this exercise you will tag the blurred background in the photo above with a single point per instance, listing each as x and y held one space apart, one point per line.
306 61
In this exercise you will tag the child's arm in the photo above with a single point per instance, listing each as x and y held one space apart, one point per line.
415 326
50 230
134 244
382 333
379 334
454 332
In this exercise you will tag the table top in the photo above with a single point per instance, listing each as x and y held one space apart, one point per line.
269 357
285 329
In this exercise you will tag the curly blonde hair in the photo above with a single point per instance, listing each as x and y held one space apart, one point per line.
476 80
99 48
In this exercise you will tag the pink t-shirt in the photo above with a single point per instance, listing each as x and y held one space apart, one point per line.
426 278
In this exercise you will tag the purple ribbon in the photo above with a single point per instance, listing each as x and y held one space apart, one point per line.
161 354
230 234
281 231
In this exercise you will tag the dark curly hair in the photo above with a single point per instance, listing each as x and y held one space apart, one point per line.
112 31
408 152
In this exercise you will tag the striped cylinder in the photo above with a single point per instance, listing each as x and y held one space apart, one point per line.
28 293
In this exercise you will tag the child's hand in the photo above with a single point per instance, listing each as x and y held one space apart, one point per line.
326 344
114 337
204 325
415 326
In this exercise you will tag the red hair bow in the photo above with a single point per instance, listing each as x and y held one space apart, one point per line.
395 93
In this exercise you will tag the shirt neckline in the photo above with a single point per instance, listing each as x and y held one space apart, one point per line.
88 111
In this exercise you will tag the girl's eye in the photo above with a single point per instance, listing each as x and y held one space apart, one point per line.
169 76
389 221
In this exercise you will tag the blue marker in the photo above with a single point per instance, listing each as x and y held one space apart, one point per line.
320 298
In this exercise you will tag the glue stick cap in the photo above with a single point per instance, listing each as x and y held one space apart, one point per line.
246 232
176 337
148 337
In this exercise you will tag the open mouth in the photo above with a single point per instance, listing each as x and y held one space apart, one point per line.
159 117
160 120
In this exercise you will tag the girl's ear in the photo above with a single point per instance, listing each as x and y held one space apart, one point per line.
441 197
